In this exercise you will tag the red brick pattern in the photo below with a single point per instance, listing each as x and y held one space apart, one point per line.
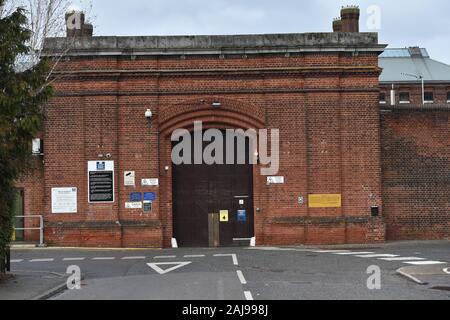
325 105
416 173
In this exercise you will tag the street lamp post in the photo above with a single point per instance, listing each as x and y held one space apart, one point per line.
423 84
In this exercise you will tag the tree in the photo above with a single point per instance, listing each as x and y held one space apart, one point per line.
22 95
45 19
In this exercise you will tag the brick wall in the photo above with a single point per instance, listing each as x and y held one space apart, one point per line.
416 173
325 105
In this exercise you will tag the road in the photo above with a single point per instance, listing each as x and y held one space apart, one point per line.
244 273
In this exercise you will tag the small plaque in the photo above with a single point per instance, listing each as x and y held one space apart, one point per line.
133 205
150 182
224 216
275 180
242 216
325 200
149 196
135 197
129 178
148 206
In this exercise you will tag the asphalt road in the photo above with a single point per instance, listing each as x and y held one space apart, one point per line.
245 273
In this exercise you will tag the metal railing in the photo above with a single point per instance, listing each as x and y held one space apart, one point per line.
41 227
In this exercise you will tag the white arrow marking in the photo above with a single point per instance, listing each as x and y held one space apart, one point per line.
176 265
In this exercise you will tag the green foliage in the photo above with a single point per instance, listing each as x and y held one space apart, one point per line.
22 95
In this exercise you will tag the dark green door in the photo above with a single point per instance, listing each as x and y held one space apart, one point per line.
17 212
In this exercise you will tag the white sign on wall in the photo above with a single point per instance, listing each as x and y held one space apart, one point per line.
150 182
64 200
129 178
275 180
133 205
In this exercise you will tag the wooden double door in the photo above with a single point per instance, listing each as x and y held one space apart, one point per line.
222 189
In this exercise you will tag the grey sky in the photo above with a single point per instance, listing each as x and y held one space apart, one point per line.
403 23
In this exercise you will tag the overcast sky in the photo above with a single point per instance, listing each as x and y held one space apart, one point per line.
403 22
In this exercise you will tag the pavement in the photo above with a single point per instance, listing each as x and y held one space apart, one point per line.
261 273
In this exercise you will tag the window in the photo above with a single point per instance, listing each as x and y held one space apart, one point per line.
448 97
383 98
404 97
429 98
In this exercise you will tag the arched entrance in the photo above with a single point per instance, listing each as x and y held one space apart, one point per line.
232 114
214 202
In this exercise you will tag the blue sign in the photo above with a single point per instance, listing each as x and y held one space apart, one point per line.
149 196
135 197
242 215
101 166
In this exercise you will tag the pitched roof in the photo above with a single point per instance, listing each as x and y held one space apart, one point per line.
396 63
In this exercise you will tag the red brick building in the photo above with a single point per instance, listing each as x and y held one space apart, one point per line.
119 99
415 144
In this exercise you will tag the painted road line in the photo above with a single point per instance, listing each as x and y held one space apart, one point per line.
241 277
194 256
176 265
353 253
233 255
424 263
42 260
103 258
134 258
74 259
16 260
330 251
164 257
403 259
378 256
248 295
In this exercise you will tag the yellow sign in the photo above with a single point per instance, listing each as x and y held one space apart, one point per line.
223 215
325 200
13 238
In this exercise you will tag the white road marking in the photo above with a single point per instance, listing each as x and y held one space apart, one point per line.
378 256
164 257
103 258
241 277
16 260
331 251
446 270
424 263
42 260
233 255
194 256
176 265
134 258
353 253
402 259
248 295
74 259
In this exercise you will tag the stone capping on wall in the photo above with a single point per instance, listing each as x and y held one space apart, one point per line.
216 44
427 107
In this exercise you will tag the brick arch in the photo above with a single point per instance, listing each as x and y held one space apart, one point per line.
232 113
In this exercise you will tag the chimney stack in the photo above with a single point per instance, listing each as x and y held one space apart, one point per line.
349 21
76 25
337 25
